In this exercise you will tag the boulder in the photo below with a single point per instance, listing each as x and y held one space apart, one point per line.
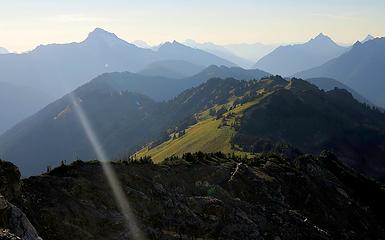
13 222
9 180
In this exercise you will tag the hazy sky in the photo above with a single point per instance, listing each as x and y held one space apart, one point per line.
25 24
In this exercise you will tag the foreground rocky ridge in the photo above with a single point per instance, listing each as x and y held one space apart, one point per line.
209 196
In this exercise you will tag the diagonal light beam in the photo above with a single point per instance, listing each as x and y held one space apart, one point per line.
112 179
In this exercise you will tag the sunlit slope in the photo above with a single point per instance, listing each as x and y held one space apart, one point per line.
210 134
205 136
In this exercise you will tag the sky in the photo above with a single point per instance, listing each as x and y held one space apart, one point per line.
25 24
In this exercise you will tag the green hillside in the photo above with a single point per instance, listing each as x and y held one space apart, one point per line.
282 117
209 134
205 136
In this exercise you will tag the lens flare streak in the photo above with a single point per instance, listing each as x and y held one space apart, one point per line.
112 179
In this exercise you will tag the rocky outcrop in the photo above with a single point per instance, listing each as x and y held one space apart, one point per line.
6 235
13 222
9 180
210 196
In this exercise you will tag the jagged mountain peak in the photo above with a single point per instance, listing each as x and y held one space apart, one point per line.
100 33
94 38
321 36
321 39
172 44
175 50
368 38
290 59
357 44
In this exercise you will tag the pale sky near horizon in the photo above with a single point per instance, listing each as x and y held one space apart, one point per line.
24 24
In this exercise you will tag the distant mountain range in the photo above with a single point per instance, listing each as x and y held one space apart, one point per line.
220 51
362 69
288 60
161 84
19 102
163 88
251 51
3 50
171 69
177 51
59 68
243 54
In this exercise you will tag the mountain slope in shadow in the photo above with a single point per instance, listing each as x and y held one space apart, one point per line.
361 69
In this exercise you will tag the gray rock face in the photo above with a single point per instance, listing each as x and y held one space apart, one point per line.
9 180
13 222
6 235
